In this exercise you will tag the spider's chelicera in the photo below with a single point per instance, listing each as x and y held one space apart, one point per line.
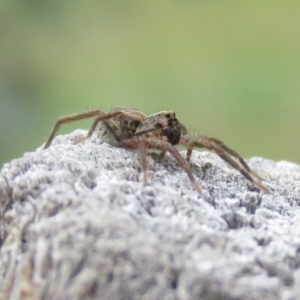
131 128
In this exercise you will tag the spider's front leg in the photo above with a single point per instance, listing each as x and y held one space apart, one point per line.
143 154
142 143
165 146
227 154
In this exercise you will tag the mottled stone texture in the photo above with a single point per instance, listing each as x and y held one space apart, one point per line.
77 223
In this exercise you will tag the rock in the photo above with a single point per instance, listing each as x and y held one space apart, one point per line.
78 223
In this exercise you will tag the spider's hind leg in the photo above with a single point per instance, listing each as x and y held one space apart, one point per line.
68 119
103 117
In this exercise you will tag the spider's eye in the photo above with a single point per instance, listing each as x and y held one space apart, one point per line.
168 116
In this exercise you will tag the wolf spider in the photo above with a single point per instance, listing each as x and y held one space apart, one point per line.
133 129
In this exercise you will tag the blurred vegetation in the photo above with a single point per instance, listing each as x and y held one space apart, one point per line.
229 69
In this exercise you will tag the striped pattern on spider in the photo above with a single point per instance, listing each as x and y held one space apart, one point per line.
133 129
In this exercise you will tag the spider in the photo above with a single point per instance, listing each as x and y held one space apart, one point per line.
133 129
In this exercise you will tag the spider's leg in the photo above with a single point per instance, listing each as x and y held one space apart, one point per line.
189 152
236 155
113 129
154 143
162 154
165 146
209 143
95 123
141 144
143 154
190 141
235 165
68 119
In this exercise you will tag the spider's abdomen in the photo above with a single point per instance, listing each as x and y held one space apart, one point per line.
114 131
129 127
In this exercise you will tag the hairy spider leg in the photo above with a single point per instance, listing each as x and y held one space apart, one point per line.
236 155
104 117
68 119
165 146
113 129
126 127
209 143
226 149
143 155
155 143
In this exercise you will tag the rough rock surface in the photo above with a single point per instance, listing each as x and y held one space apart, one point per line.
77 223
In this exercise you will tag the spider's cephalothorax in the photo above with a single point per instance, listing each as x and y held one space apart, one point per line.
131 128
162 124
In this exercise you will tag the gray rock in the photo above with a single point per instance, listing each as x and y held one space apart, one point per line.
78 223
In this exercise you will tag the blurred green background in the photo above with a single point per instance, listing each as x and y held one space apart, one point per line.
229 69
